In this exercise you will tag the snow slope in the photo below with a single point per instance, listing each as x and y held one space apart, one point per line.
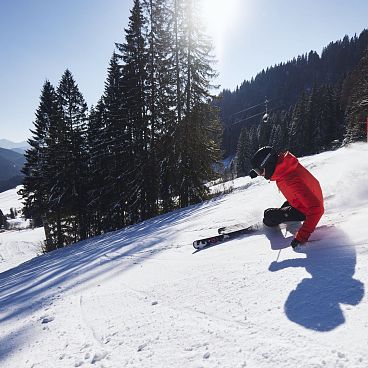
141 297
17 246
10 199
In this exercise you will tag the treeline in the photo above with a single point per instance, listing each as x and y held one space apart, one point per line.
289 86
325 117
13 182
147 147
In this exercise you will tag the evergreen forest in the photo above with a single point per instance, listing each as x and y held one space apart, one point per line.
307 105
158 133
147 147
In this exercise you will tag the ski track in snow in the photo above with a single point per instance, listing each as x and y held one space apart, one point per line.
141 297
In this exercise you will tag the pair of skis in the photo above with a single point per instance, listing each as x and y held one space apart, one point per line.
224 234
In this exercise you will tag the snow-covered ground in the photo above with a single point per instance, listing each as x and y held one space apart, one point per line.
10 199
19 244
141 297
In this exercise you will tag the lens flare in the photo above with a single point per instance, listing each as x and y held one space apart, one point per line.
219 17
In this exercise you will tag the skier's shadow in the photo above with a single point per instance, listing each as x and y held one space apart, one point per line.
277 235
315 303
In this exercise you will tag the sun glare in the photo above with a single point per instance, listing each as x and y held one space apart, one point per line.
219 16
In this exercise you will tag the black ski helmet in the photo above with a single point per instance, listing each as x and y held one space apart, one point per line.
264 158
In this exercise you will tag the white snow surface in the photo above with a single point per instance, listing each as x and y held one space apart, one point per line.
142 297
10 199
19 244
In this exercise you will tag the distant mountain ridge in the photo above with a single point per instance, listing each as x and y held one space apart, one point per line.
7 144
11 164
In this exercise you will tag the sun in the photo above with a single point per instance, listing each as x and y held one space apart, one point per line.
219 16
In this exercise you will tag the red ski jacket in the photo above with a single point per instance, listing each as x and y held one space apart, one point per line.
302 191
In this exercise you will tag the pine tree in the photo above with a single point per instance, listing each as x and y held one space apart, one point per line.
276 139
247 147
179 56
357 111
117 147
134 55
172 107
52 222
195 73
241 154
313 124
98 168
69 145
327 119
299 141
161 103
285 123
2 220
37 182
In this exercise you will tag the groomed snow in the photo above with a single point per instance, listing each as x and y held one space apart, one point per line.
141 297
19 244
10 199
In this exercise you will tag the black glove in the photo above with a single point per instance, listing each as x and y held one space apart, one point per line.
295 242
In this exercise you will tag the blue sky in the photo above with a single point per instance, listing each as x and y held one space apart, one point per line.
39 39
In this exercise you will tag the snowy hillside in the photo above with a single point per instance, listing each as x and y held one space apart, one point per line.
10 199
20 245
142 297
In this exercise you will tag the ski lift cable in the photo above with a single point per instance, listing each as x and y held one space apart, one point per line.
264 103
253 116
249 108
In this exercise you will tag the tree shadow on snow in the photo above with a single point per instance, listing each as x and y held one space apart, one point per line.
315 302
33 285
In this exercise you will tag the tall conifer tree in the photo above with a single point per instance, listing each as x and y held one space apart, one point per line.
98 167
72 170
298 134
357 111
116 142
134 81
193 141
37 181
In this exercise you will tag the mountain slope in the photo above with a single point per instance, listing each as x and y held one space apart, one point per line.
11 199
10 163
141 297
5 143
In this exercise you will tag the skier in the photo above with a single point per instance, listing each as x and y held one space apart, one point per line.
304 199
